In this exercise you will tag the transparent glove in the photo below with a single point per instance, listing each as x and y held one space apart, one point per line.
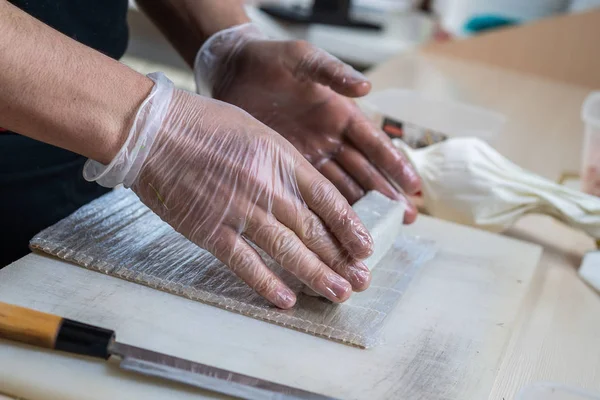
223 179
303 93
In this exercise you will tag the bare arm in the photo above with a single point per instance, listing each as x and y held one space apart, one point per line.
188 23
61 92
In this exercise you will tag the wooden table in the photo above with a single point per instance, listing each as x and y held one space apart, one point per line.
558 334
557 337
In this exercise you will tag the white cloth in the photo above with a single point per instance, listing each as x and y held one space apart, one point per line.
468 182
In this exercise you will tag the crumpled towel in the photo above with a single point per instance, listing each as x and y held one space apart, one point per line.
468 182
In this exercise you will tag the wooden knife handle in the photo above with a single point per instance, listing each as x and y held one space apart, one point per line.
53 332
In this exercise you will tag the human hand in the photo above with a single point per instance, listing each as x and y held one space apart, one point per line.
223 179
303 93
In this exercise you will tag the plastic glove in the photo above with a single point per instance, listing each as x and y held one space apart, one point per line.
221 178
299 91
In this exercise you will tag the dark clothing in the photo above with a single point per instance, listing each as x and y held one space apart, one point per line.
41 184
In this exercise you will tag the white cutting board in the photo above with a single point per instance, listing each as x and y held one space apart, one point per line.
444 340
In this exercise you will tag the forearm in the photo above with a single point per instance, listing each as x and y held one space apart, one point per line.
188 23
61 92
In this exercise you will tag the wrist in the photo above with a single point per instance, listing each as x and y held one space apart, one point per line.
145 124
120 114
219 55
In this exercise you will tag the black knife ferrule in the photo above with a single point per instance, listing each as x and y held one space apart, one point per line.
76 337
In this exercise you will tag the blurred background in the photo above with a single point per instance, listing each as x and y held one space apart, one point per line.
361 32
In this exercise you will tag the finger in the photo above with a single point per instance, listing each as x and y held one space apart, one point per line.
231 249
327 202
309 62
310 229
365 173
410 215
378 148
288 251
351 190
370 178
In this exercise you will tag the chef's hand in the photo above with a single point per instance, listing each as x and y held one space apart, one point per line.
223 179
303 93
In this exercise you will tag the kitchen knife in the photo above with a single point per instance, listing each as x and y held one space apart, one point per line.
53 332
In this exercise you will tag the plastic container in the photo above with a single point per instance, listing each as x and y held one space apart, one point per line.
554 391
449 118
590 166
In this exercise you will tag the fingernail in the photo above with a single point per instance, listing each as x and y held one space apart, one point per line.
410 215
355 76
285 298
337 286
359 275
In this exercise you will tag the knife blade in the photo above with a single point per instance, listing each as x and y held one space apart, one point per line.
50 331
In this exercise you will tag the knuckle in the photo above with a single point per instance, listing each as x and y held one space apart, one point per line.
322 243
308 59
333 206
265 285
283 247
300 47
217 242
250 225
238 260
313 228
363 124
323 192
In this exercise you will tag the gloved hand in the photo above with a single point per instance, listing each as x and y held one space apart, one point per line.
300 92
221 178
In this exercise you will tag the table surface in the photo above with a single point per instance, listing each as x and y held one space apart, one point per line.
558 333
557 336
444 340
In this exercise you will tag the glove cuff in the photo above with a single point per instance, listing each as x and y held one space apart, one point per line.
126 165
216 54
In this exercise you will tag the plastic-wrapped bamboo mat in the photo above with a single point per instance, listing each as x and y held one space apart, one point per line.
117 235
